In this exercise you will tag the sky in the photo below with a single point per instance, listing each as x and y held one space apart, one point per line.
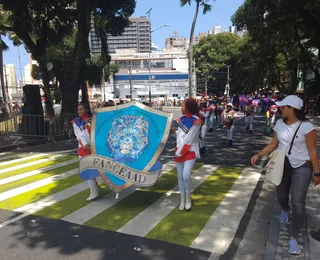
163 12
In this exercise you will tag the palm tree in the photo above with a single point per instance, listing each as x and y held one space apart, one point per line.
206 8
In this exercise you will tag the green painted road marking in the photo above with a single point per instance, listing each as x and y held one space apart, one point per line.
39 193
37 177
121 213
69 205
183 227
26 161
36 167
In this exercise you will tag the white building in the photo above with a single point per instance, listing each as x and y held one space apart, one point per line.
27 79
10 79
169 75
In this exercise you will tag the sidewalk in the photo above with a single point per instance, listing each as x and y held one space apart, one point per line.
278 237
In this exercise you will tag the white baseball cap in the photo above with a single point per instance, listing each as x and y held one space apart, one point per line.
292 101
229 105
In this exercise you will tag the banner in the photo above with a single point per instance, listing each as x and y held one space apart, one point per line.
126 142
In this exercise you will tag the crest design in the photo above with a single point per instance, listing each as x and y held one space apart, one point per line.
128 137
126 142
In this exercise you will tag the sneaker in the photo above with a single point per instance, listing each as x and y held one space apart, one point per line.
284 217
293 247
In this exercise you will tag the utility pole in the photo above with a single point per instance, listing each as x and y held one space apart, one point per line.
20 67
206 85
149 16
130 80
228 83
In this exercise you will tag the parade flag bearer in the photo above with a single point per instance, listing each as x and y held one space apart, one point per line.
82 131
187 149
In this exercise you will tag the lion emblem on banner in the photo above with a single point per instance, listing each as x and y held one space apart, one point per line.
128 136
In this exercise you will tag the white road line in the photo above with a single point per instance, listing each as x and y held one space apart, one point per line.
35 172
96 207
93 209
23 159
52 199
46 202
219 231
154 214
25 165
17 191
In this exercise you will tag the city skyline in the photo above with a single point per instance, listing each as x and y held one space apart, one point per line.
220 15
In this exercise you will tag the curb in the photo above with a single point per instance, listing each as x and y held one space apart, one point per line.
273 236
20 146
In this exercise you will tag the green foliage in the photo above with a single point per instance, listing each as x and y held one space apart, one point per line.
287 32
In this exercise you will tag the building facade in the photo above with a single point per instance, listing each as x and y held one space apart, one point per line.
136 36
10 79
169 75
197 38
176 43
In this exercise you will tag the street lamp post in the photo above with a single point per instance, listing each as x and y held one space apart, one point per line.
165 25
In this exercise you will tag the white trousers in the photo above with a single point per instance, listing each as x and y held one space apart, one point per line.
204 129
230 133
249 121
211 120
184 176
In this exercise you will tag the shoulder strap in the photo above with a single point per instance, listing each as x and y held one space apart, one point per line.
293 138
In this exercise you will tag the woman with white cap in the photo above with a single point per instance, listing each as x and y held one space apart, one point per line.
296 136
228 117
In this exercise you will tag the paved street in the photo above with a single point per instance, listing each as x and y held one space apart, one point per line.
44 215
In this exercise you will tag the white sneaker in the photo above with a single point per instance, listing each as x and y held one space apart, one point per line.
182 203
188 202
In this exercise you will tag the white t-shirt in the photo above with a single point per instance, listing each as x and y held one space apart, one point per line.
299 153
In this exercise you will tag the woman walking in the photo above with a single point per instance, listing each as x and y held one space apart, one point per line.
228 117
298 137
187 149
82 131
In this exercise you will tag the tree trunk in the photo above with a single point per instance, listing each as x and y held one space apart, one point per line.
69 97
82 44
3 88
192 89
114 84
84 90
46 89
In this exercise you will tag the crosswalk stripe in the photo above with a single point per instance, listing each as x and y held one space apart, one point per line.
24 165
220 229
35 185
35 172
153 215
46 202
23 159
52 199
88 212
8 157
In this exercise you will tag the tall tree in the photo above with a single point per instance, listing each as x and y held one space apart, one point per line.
43 24
207 7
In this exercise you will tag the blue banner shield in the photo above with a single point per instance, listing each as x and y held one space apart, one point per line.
126 142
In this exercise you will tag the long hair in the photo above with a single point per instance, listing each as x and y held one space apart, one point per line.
300 114
87 107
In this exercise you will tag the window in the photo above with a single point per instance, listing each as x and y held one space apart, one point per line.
128 96
175 95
